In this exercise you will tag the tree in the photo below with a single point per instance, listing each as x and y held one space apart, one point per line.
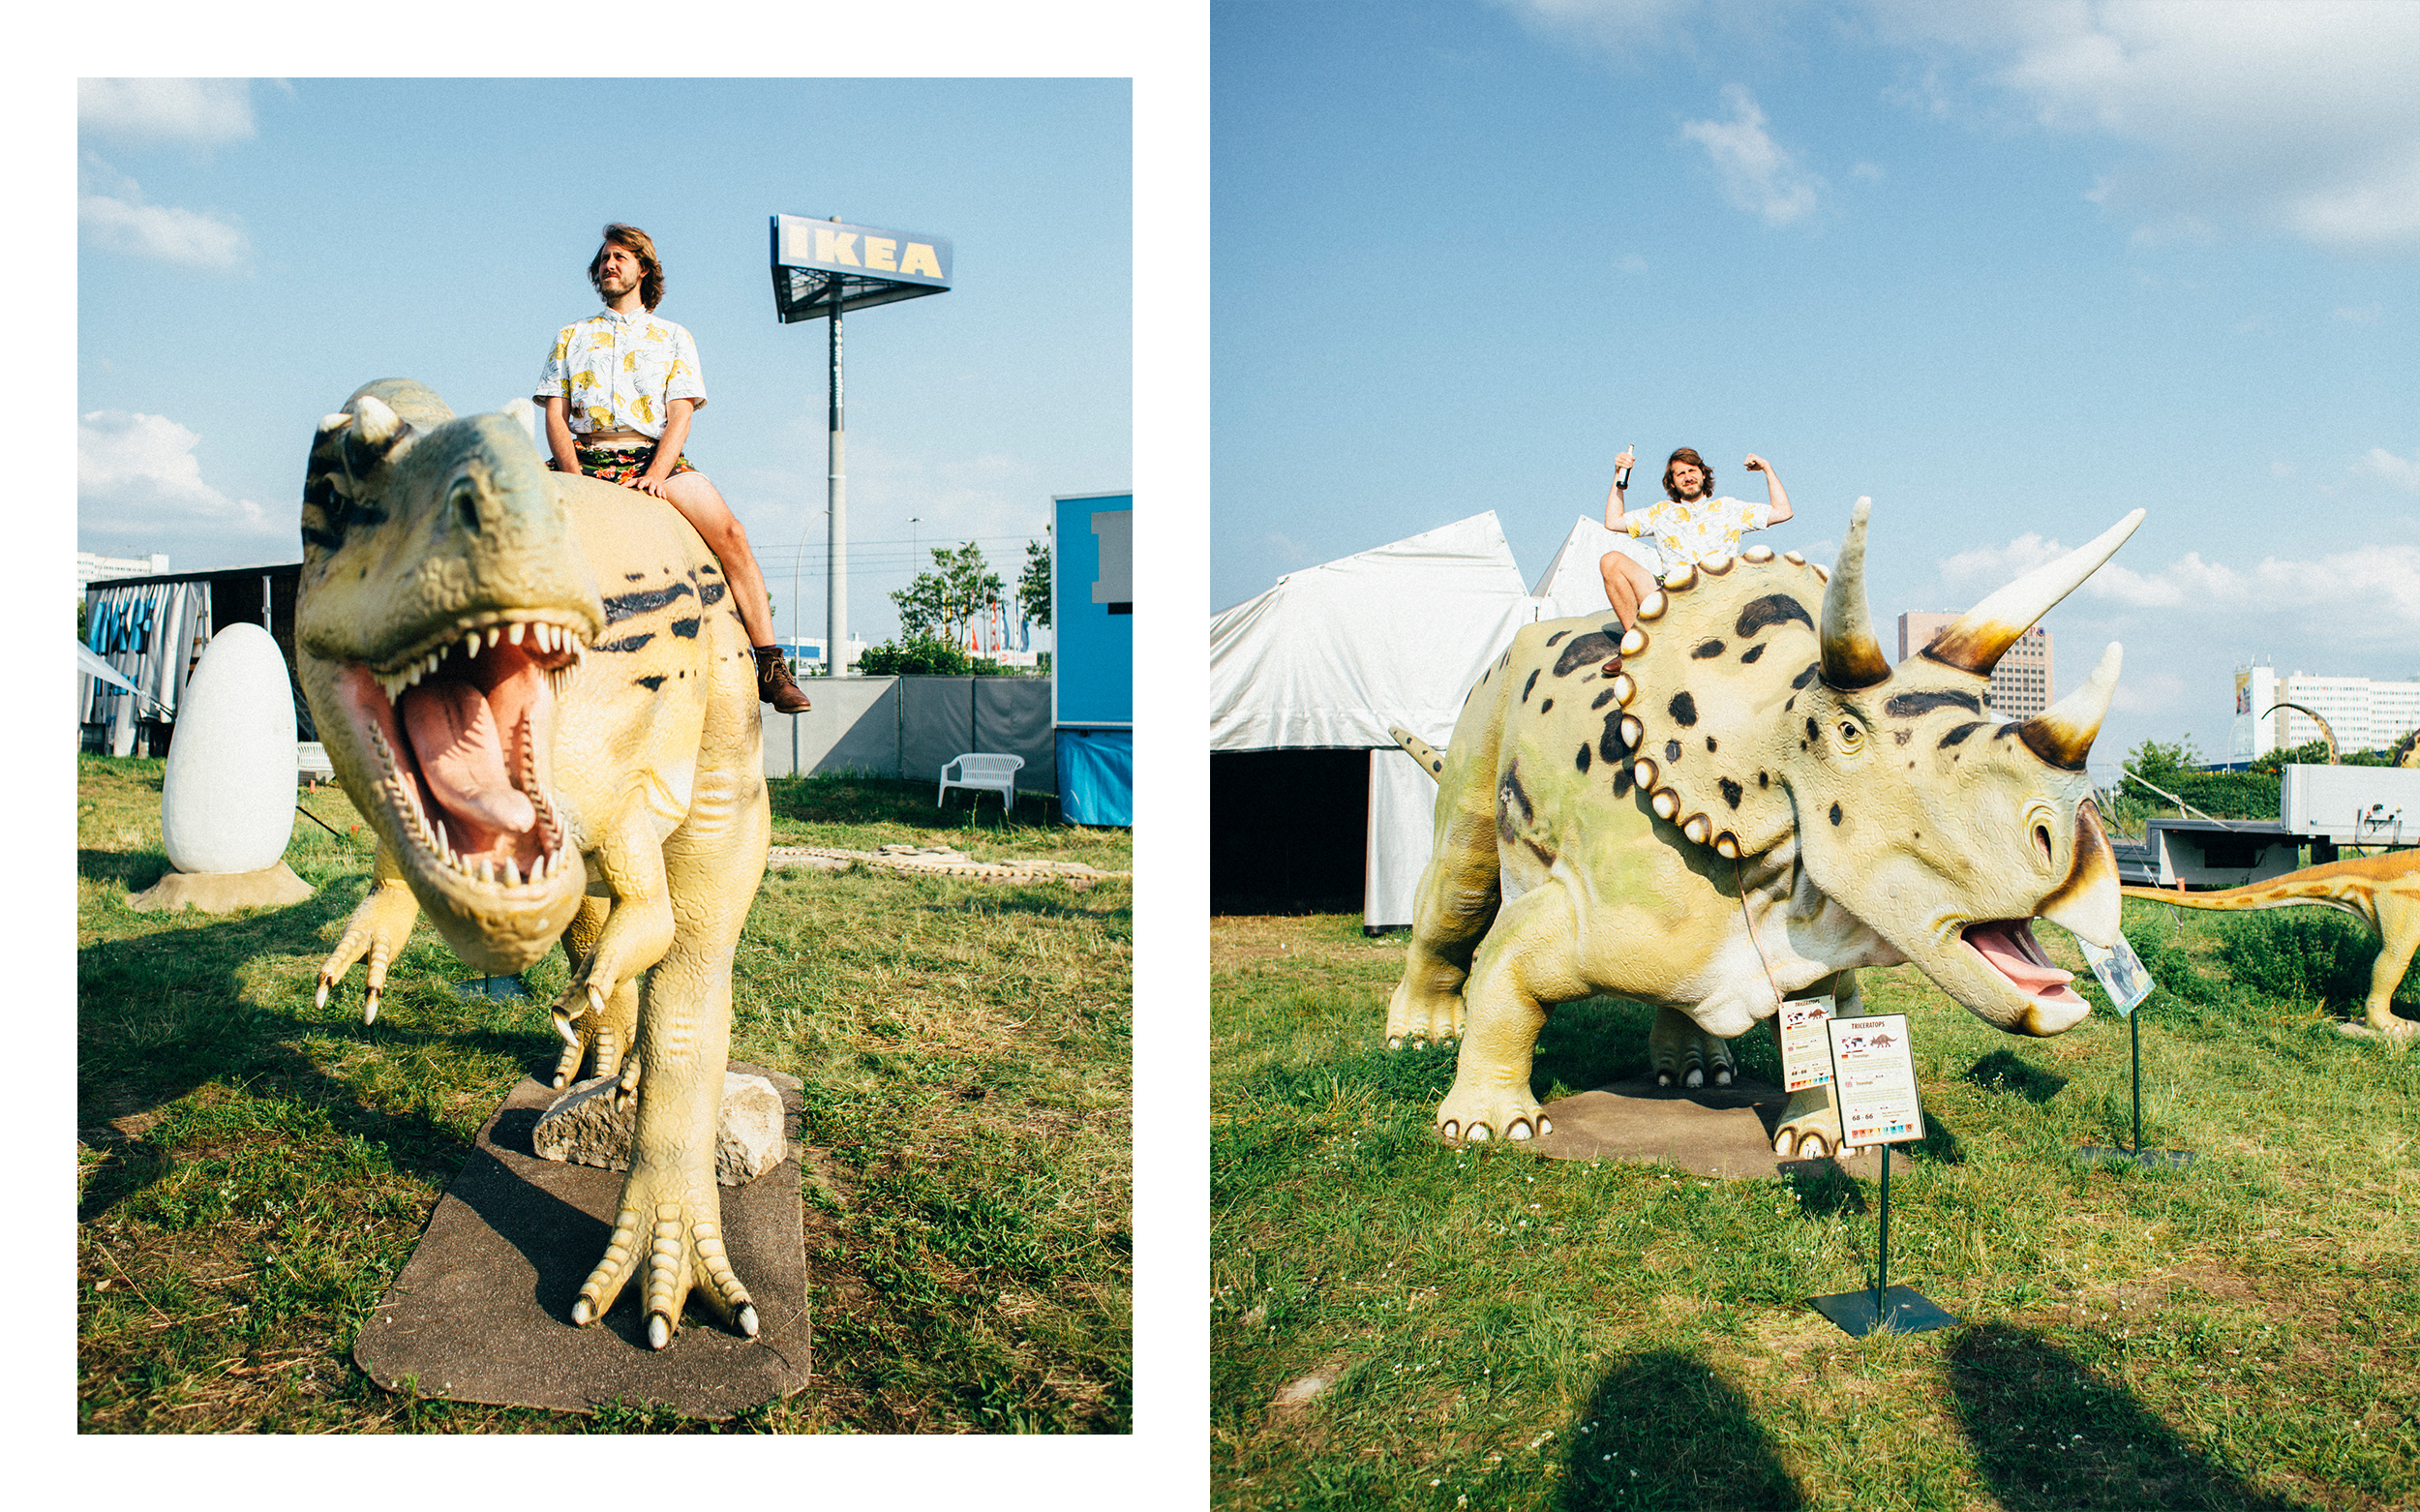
914 655
946 603
2154 762
1033 585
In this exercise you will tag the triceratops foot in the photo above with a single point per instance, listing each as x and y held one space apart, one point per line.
1686 1055
1426 1018
682 1255
1479 1117
1810 1127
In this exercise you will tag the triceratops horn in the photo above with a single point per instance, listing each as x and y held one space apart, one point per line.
1976 640
373 421
2062 735
1852 658
523 413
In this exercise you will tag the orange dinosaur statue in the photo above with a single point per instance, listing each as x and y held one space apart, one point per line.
2382 892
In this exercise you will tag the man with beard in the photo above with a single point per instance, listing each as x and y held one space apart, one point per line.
619 390
1690 525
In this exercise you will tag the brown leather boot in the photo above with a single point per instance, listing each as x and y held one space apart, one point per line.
773 684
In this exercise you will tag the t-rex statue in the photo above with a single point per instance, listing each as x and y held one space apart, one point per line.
536 687
2382 892
1735 801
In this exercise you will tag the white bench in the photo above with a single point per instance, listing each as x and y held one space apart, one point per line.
982 774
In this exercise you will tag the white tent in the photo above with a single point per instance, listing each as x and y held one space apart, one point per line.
1333 654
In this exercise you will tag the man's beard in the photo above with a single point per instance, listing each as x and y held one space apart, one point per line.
1691 497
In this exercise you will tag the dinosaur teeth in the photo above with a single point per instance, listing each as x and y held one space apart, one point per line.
495 633
537 869
512 873
471 645
515 631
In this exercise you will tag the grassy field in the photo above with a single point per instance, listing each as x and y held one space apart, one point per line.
254 1171
1396 1324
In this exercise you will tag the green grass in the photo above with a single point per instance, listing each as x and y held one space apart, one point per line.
1501 1330
254 1171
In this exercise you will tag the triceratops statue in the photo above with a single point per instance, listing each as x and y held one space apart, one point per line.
1736 800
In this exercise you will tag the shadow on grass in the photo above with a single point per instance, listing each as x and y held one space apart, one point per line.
133 870
162 1015
2049 1434
1822 1187
1590 1043
2006 1071
1668 1431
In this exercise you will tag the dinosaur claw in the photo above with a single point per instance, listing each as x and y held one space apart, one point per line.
370 1007
748 1320
584 1311
319 999
570 1037
658 1331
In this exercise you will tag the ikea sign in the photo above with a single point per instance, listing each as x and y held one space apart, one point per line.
862 252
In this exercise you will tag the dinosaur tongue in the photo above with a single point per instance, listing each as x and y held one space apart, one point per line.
453 733
1998 941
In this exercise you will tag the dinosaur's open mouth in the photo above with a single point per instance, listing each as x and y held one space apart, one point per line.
2010 946
458 727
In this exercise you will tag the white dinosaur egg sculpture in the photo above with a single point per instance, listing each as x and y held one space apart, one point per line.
227 802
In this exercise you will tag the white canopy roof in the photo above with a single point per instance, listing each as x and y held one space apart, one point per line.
1396 635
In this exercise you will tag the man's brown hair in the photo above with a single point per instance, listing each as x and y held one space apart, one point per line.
640 246
1688 454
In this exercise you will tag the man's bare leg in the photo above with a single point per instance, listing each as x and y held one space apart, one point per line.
1626 584
702 504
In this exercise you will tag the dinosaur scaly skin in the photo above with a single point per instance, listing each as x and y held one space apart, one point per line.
1739 800
535 688
2382 892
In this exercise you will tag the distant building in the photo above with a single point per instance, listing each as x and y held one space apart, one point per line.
90 568
2020 684
2367 714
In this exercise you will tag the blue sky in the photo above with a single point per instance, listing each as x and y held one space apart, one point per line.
2009 270
250 252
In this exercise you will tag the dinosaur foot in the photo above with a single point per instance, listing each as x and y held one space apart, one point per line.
1685 1055
2401 1029
1479 1117
1432 1017
1810 1127
595 1041
677 1252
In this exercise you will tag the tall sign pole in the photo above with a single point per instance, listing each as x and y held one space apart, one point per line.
821 268
836 497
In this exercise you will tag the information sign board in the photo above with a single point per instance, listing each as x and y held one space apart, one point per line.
1805 1053
1873 1070
2122 973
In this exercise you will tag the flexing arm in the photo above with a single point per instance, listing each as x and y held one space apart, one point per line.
667 447
1773 493
558 443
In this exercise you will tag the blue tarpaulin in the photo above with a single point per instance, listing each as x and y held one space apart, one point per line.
1097 776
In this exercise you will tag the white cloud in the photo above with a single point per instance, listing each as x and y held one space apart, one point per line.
204 111
2360 314
2402 473
1757 174
2296 115
112 215
138 481
2367 595
162 232
1629 263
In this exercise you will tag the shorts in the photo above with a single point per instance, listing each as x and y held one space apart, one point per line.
622 463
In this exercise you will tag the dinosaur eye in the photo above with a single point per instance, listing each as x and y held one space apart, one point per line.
467 505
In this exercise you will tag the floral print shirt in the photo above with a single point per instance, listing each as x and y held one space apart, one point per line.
622 371
1698 530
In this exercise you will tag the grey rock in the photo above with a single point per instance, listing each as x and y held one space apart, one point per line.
585 1127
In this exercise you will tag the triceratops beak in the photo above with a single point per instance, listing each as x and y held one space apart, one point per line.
2062 735
1977 639
1852 658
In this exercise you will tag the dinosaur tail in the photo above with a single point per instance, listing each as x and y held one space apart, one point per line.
2276 893
1432 760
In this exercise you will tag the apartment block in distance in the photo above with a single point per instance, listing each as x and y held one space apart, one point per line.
2020 684
2366 713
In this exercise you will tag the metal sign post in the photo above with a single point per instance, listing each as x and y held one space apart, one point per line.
1873 1085
2123 977
821 268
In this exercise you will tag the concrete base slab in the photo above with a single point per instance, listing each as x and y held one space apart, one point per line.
482 1311
1725 1132
222 891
